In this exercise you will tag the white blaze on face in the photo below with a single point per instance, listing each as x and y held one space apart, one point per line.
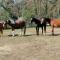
42 20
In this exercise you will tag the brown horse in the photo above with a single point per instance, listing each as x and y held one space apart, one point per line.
55 23
19 23
2 24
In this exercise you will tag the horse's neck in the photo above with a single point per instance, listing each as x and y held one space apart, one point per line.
37 21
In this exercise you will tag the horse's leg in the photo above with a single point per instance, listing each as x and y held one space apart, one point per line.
21 32
42 30
37 30
52 30
2 32
24 30
13 30
45 29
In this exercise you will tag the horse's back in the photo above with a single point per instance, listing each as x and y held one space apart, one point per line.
20 20
20 23
55 22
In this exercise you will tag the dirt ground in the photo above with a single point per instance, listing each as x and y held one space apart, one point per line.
31 46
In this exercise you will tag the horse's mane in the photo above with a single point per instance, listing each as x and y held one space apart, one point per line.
36 18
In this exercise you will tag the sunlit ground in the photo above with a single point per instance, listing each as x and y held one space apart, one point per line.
31 46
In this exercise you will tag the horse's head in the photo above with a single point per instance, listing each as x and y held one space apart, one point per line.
10 22
32 20
48 20
7 22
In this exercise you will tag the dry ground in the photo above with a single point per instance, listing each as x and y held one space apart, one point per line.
31 46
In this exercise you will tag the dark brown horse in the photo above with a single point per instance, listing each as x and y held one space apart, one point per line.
19 23
41 23
2 24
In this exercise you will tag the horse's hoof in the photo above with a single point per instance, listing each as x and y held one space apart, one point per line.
37 34
52 34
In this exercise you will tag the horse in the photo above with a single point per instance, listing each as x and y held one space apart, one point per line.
2 25
42 22
55 23
19 23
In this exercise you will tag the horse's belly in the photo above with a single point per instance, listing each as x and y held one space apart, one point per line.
1 25
18 26
55 23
